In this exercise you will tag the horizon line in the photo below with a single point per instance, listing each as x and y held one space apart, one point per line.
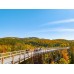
37 37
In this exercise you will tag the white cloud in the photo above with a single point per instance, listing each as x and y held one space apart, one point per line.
59 22
54 33
53 30
66 30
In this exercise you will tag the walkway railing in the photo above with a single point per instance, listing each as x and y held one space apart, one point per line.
20 56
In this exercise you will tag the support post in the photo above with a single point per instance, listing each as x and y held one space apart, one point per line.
24 56
12 59
2 60
32 57
20 57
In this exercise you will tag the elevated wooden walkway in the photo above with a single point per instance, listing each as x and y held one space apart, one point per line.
17 57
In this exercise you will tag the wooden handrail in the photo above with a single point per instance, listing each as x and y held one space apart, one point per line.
23 52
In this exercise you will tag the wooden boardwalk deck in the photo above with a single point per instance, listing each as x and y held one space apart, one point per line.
17 57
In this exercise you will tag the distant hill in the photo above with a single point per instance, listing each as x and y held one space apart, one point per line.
15 43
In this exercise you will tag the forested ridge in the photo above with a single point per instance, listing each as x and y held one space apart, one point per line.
13 43
9 44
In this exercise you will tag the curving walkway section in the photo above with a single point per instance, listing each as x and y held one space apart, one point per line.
17 57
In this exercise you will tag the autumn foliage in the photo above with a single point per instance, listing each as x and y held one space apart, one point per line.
9 44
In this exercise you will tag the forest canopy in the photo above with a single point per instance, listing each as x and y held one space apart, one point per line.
14 43
9 44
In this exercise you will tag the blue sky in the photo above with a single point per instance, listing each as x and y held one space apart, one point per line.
51 24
